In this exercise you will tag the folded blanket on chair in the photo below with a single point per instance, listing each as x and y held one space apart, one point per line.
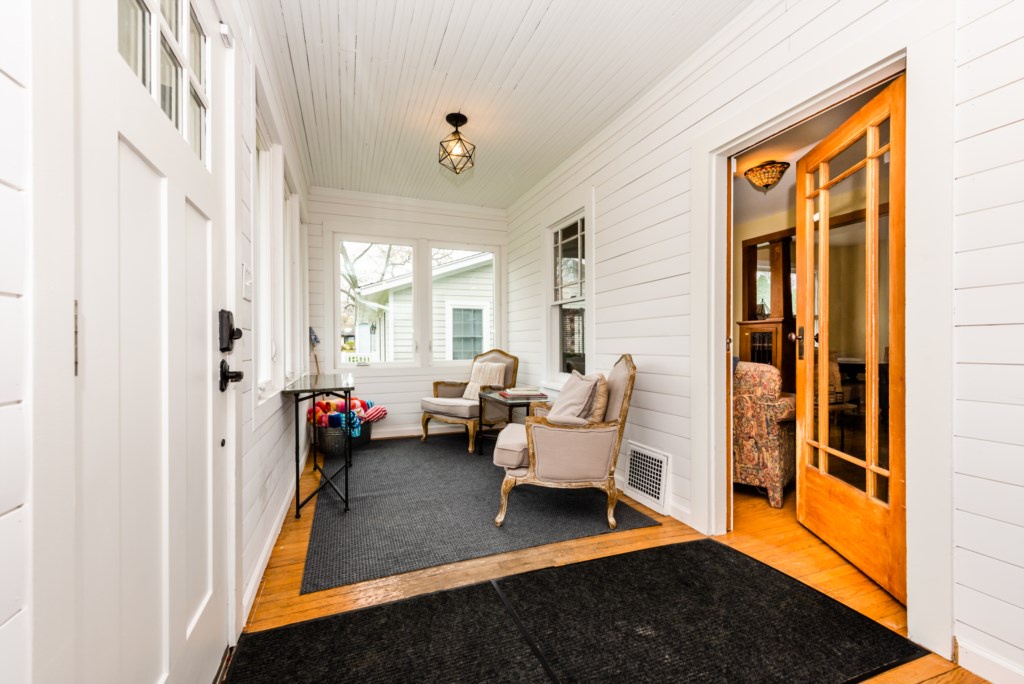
484 374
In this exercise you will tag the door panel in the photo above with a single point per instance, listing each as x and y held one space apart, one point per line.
152 530
850 475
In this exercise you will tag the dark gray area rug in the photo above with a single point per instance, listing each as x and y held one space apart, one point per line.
419 504
692 612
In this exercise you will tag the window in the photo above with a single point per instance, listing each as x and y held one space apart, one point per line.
170 83
133 37
179 62
462 290
467 338
569 303
374 319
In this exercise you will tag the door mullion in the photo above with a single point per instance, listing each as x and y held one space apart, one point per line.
824 397
871 311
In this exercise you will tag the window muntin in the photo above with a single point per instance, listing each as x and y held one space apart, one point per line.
374 319
133 37
464 279
569 304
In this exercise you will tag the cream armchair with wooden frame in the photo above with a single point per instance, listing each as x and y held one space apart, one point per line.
447 405
568 453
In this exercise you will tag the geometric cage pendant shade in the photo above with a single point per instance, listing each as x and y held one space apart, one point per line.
765 176
456 153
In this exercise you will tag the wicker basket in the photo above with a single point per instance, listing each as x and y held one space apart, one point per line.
332 440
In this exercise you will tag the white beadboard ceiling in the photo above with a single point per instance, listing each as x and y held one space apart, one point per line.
369 83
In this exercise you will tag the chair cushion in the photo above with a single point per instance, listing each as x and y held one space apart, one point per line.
451 406
510 450
482 375
576 397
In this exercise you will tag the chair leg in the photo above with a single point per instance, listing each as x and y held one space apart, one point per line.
506 486
424 421
775 496
471 427
613 497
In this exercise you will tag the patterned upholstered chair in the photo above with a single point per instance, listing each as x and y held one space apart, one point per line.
448 405
568 455
764 430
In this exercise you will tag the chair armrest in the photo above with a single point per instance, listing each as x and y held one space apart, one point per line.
783 409
539 408
449 388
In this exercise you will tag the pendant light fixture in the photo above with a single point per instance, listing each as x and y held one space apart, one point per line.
765 176
456 152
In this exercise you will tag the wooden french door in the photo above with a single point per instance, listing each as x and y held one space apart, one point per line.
850 353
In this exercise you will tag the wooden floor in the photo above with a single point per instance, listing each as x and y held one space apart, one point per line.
770 535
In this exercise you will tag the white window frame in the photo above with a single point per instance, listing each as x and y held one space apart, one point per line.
422 297
334 320
449 323
269 271
556 376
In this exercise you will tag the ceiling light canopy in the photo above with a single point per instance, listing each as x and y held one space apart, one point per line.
456 152
765 176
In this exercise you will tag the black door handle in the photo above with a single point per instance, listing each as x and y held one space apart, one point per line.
227 375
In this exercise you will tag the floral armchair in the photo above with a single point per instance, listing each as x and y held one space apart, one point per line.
764 430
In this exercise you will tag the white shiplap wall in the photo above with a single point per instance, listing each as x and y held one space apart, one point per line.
265 476
989 338
335 212
15 357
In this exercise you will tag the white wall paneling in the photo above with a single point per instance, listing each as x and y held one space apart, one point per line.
656 172
15 339
989 337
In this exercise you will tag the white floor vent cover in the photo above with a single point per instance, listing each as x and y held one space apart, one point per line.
647 476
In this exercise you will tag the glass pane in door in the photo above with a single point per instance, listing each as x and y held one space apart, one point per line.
844 346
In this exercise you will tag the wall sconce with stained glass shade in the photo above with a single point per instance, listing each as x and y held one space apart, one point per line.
765 176
456 153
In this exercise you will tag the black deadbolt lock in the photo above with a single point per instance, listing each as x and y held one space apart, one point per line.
228 332
227 375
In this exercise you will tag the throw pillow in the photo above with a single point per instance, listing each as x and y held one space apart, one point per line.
482 375
600 403
576 396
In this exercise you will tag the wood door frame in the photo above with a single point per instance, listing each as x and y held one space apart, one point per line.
929 231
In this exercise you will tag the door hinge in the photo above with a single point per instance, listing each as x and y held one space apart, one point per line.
76 338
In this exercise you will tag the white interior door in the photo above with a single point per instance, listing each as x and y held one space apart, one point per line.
152 469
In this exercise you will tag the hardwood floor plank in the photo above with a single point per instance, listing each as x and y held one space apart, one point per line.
770 535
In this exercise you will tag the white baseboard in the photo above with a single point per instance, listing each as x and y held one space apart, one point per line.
988 665
253 583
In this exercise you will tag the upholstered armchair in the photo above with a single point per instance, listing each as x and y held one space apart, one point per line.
568 451
449 404
764 430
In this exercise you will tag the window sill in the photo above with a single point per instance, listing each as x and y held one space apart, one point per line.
555 385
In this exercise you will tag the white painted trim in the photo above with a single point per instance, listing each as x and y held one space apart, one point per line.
988 665
929 540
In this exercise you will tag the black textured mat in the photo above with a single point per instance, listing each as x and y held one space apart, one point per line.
462 635
692 612
697 611
419 504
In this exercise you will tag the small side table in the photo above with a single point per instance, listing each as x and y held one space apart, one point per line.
511 404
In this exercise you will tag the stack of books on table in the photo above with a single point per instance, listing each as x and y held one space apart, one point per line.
523 393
